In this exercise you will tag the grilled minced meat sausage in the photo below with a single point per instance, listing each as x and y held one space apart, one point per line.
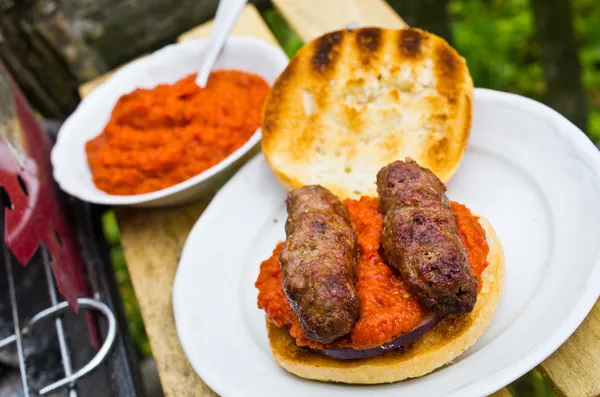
421 240
318 262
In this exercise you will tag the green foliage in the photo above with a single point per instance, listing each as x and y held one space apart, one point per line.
289 41
532 384
130 304
586 15
594 125
497 37
498 40
111 228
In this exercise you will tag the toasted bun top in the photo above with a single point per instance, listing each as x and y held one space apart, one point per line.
352 101
448 340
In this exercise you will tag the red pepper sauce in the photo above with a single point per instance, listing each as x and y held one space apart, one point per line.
388 309
473 238
159 137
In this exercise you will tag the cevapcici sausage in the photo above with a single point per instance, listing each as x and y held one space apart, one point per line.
421 240
318 262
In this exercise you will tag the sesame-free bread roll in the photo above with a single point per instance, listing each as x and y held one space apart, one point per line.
353 101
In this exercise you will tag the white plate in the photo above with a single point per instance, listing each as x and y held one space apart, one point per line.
167 65
533 174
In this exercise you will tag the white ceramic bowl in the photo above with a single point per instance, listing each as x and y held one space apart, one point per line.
167 65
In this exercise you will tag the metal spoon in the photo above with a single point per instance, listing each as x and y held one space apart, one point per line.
227 14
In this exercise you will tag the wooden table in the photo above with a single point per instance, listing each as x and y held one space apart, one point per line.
153 238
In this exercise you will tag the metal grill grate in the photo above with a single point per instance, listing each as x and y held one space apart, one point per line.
54 311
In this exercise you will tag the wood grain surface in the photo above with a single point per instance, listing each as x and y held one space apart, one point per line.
152 241
312 18
502 393
89 86
249 24
574 369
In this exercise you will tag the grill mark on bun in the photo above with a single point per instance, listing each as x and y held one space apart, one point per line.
437 151
368 39
275 100
449 72
447 62
468 118
323 71
411 42
327 50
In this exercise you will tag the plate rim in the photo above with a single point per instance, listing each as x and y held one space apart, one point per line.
60 147
502 377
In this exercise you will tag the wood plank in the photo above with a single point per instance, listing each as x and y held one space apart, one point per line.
89 86
502 393
574 369
86 88
312 18
249 23
152 241
44 56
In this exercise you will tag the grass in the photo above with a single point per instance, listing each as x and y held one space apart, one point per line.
130 304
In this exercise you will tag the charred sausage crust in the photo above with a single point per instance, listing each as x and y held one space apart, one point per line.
421 240
318 262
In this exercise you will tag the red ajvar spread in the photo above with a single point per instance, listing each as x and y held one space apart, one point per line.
388 310
159 137
473 238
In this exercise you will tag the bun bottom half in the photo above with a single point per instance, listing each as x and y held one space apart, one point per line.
448 340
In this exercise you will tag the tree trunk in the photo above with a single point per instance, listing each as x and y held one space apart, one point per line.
562 71
37 48
430 15
52 46
121 30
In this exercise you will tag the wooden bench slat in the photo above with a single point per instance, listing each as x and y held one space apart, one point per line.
502 393
312 18
250 23
152 242
574 369
86 88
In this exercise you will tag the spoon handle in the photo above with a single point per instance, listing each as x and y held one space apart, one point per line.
228 12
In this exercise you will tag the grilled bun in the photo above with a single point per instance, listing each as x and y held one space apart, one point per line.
451 337
353 101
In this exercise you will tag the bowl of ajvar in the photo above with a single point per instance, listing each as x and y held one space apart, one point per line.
149 136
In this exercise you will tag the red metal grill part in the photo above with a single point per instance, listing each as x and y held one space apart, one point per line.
35 217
